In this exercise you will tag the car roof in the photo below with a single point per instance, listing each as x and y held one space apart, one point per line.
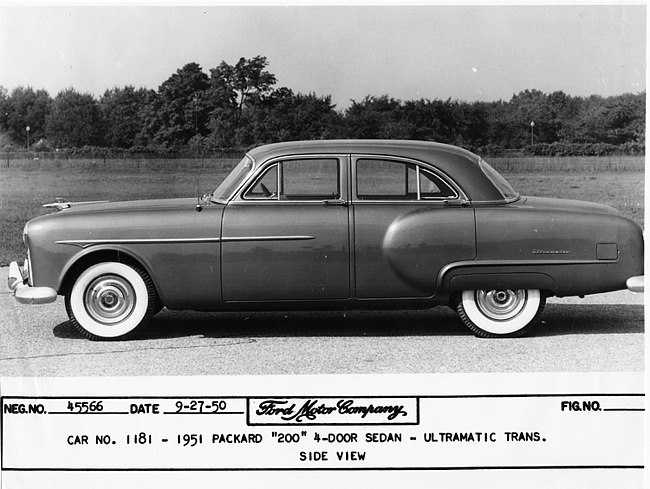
461 165
387 147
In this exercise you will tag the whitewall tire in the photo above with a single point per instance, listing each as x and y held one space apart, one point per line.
500 313
111 301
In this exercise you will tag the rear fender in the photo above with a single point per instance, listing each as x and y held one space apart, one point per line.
488 279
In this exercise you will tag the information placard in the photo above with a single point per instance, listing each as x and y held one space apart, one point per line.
594 428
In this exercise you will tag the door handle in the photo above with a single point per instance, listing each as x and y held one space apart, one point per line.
456 203
335 202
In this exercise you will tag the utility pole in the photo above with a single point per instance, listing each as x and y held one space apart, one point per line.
196 127
532 131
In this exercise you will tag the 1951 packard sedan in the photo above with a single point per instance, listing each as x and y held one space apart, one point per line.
331 224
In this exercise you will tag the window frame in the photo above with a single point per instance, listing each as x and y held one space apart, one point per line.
259 177
419 165
342 162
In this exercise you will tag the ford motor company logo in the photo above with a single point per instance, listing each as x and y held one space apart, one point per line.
336 411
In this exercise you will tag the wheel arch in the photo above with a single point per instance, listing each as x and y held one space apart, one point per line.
481 277
92 257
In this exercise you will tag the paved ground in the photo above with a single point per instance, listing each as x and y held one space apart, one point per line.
599 333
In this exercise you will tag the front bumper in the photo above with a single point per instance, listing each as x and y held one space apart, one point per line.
23 292
636 284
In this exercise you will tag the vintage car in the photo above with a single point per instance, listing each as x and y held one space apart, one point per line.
331 225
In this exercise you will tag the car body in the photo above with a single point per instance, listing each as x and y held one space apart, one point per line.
331 225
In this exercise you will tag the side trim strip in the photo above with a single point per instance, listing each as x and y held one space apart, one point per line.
85 243
515 263
267 238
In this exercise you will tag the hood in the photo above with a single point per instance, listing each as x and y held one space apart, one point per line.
127 205
137 219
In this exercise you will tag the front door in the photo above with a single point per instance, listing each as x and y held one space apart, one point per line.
286 236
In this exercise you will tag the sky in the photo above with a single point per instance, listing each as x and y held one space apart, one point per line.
463 52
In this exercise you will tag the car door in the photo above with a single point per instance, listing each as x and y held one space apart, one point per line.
410 220
285 237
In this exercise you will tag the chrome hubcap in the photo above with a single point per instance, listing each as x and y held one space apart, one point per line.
109 299
501 305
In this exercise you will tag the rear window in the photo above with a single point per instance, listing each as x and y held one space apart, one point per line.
499 182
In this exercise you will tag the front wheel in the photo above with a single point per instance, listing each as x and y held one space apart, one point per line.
500 313
111 301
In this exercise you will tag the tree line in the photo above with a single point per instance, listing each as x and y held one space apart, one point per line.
240 106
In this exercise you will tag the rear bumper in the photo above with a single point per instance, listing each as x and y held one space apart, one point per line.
636 284
23 292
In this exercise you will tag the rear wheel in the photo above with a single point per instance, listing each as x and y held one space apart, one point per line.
111 301
500 313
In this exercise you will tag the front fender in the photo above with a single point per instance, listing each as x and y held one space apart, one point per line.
87 256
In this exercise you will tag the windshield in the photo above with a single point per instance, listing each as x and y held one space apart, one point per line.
499 182
233 181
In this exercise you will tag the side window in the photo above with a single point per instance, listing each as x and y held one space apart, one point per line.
310 179
304 179
394 180
433 187
266 187
386 180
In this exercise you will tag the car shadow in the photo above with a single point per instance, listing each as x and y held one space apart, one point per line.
558 319
570 319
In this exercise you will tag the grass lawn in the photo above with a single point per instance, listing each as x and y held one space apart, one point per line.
26 186
622 190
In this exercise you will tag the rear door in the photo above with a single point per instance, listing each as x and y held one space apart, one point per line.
410 220
286 236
